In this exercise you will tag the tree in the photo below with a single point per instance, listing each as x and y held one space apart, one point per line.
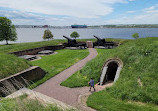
7 30
74 35
135 35
47 34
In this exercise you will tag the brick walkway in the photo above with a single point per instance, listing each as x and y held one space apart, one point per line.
69 96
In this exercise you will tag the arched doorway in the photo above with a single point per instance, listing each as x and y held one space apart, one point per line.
110 71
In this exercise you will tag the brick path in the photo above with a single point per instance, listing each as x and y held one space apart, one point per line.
67 95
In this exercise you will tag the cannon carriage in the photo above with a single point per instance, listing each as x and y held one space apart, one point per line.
103 43
74 43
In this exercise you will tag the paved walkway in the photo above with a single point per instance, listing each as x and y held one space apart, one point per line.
67 95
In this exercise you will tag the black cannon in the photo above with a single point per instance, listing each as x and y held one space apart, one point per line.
73 43
100 41
103 42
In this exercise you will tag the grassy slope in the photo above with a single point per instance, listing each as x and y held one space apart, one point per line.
92 69
103 101
29 45
54 64
10 64
23 46
140 61
24 104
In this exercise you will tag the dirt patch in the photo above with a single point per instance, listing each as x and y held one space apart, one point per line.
140 82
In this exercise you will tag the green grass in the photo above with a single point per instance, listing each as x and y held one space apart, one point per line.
53 64
24 46
10 64
56 63
92 69
140 61
24 104
102 101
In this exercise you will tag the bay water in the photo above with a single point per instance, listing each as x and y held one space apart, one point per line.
35 34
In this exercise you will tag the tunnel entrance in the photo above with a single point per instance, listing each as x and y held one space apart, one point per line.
110 71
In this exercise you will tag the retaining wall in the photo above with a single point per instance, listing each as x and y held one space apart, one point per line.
35 51
20 80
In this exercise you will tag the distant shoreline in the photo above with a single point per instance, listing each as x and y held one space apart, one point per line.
95 26
87 28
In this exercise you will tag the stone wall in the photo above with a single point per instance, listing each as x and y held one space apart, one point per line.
22 79
34 51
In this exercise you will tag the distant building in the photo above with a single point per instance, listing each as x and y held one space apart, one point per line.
101 26
45 26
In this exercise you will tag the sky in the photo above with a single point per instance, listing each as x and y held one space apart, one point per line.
89 12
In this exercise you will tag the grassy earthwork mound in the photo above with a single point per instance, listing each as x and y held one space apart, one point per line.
140 58
10 64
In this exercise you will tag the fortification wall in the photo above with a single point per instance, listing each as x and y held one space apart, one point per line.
34 51
22 79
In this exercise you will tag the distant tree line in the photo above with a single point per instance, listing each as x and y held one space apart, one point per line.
128 26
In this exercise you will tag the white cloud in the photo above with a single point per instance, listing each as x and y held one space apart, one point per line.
75 11
75 8
130 12
23 18
151 8
152 11
18 14
148 16
142 19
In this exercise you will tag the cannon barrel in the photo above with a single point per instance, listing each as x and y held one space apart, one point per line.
97 37
67 37
73 43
